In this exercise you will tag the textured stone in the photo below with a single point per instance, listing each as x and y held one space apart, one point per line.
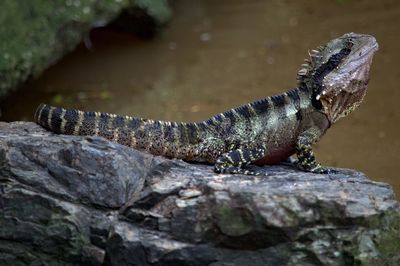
86 201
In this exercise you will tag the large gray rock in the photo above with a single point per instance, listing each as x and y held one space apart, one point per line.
69 200
35 34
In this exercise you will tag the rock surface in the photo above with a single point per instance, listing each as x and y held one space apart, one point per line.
37 33
69 200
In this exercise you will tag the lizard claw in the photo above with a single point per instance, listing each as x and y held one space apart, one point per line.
328 170
323 170
236 170
317 169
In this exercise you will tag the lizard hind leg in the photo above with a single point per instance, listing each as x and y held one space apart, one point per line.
233 161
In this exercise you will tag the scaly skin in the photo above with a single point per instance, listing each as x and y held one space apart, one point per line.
331 83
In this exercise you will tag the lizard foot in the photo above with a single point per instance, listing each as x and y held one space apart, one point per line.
317 168
235 170
325 170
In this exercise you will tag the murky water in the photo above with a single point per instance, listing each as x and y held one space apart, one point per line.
215 55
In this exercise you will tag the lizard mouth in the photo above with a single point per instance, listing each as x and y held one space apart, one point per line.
367 53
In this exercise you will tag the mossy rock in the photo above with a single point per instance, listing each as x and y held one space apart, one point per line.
36 34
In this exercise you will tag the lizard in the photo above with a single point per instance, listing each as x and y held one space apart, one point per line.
331 83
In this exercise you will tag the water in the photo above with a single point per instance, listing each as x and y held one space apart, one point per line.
215 55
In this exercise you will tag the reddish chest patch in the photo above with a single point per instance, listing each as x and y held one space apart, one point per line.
275 157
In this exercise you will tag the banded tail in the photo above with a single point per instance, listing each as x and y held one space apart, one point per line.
156 137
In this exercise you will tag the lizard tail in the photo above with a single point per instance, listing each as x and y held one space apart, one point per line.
156 137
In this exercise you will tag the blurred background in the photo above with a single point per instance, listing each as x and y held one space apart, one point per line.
186 60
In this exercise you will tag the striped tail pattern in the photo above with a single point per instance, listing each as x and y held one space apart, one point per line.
155 137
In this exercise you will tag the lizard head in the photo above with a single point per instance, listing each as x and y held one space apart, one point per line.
337 74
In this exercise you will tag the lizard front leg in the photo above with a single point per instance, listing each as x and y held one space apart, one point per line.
305 157
233 161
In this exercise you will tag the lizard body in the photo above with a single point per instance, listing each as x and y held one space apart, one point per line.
330 84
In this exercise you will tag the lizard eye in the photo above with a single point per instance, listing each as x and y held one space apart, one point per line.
349 43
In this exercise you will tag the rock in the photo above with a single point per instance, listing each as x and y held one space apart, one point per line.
86 201
37 33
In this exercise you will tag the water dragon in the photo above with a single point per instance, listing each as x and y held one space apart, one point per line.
330 84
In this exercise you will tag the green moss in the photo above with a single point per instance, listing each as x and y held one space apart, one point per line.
378 243
157 9
234 221
37 33
388 242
